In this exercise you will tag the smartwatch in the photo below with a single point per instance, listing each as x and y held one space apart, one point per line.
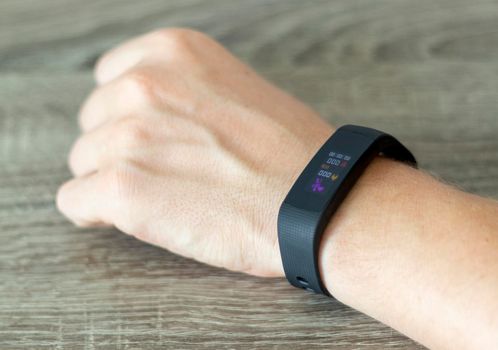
318 192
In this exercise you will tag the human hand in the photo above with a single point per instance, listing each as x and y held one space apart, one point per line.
187 148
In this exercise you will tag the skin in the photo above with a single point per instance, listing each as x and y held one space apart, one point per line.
185 147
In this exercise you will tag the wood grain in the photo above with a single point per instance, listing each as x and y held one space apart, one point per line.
424 70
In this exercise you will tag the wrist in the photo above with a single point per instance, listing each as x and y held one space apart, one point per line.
355 239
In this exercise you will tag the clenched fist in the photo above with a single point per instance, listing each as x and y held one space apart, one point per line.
185 147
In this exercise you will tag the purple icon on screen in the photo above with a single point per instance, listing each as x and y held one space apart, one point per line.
317 186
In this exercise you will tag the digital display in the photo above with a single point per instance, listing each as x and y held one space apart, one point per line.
332 168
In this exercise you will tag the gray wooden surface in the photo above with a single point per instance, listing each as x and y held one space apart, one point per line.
425 70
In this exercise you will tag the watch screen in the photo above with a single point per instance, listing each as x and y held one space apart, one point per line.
331 170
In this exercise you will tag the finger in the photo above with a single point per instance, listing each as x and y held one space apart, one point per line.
99 147
118 60
158 45
133 93
90 151
85 201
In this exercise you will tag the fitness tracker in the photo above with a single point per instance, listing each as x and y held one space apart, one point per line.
318 192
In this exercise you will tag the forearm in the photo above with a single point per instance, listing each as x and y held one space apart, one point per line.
417 255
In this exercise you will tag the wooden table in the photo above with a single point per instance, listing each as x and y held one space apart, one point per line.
424 70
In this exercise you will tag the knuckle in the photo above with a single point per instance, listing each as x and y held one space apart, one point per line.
141 85
129 133
180 41
180 36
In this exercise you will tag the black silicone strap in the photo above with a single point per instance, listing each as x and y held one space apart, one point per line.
318 192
